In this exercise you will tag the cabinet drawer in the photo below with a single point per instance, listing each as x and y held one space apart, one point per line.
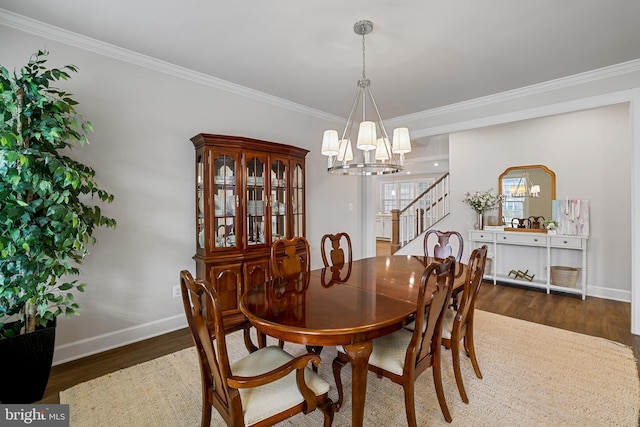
522 239
481 236
567 242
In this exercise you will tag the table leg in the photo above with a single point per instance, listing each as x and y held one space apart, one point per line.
359 354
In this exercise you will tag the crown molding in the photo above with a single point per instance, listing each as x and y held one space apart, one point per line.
536 89
51 32
631 96
42 29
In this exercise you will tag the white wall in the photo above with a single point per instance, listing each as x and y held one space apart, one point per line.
590 153
141 151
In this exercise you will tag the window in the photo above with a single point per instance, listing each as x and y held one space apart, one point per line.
512 207
397 195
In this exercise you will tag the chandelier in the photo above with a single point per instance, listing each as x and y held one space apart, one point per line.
524 187
377 154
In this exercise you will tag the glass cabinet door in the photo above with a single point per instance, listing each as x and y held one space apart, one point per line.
200 199
255 227
225 200
278 200
297 199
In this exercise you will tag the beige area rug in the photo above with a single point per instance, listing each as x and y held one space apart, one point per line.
534 375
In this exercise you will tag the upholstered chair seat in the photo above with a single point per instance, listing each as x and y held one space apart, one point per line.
389 352
262 402
447 322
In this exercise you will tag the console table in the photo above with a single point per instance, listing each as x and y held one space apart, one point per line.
534 253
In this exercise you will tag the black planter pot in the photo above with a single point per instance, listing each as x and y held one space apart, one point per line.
26 361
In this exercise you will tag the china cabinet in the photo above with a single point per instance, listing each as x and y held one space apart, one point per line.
249 193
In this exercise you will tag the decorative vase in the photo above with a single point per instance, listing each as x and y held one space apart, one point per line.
480 223
491 217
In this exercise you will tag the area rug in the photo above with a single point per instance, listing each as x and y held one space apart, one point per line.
533 375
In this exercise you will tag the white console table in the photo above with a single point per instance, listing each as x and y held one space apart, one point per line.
535 253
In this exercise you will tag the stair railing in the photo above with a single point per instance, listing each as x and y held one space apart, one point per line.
423 212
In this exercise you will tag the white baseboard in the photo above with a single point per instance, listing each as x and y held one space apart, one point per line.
86 347
608 293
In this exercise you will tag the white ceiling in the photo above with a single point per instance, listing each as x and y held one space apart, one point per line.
422 54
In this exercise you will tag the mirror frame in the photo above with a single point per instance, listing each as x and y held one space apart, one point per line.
543 167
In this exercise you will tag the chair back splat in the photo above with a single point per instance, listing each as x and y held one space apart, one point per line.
441 244
234 389
290 257
337 256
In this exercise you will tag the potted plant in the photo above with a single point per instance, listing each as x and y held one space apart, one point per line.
551 226
46 219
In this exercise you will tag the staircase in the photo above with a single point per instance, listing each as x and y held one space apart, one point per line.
421 214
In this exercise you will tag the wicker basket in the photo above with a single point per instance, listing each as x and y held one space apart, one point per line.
564 276
487 267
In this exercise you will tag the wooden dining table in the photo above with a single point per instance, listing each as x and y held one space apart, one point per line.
347 306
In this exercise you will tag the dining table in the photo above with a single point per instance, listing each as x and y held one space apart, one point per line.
348 305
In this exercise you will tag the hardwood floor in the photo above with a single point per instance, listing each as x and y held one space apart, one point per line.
383 247
594 316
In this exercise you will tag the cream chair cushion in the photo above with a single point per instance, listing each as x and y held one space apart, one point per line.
447 322
262 402
389 351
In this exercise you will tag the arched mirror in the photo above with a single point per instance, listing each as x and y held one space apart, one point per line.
527 194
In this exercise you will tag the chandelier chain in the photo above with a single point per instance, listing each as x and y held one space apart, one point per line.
364 77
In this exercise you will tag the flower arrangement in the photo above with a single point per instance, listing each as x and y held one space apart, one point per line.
481 201
550 225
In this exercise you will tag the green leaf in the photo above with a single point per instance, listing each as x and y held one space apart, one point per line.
46 223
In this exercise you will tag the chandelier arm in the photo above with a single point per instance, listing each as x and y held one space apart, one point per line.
375 108
349 125
382 127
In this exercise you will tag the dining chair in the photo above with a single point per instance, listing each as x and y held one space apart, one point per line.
290 257
337 256
458 324
261 389
403 355
338 263
441 244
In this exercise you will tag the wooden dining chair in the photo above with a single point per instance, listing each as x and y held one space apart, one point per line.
261 389
337 256
338 263
458 324
441 244
403 355
290 257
